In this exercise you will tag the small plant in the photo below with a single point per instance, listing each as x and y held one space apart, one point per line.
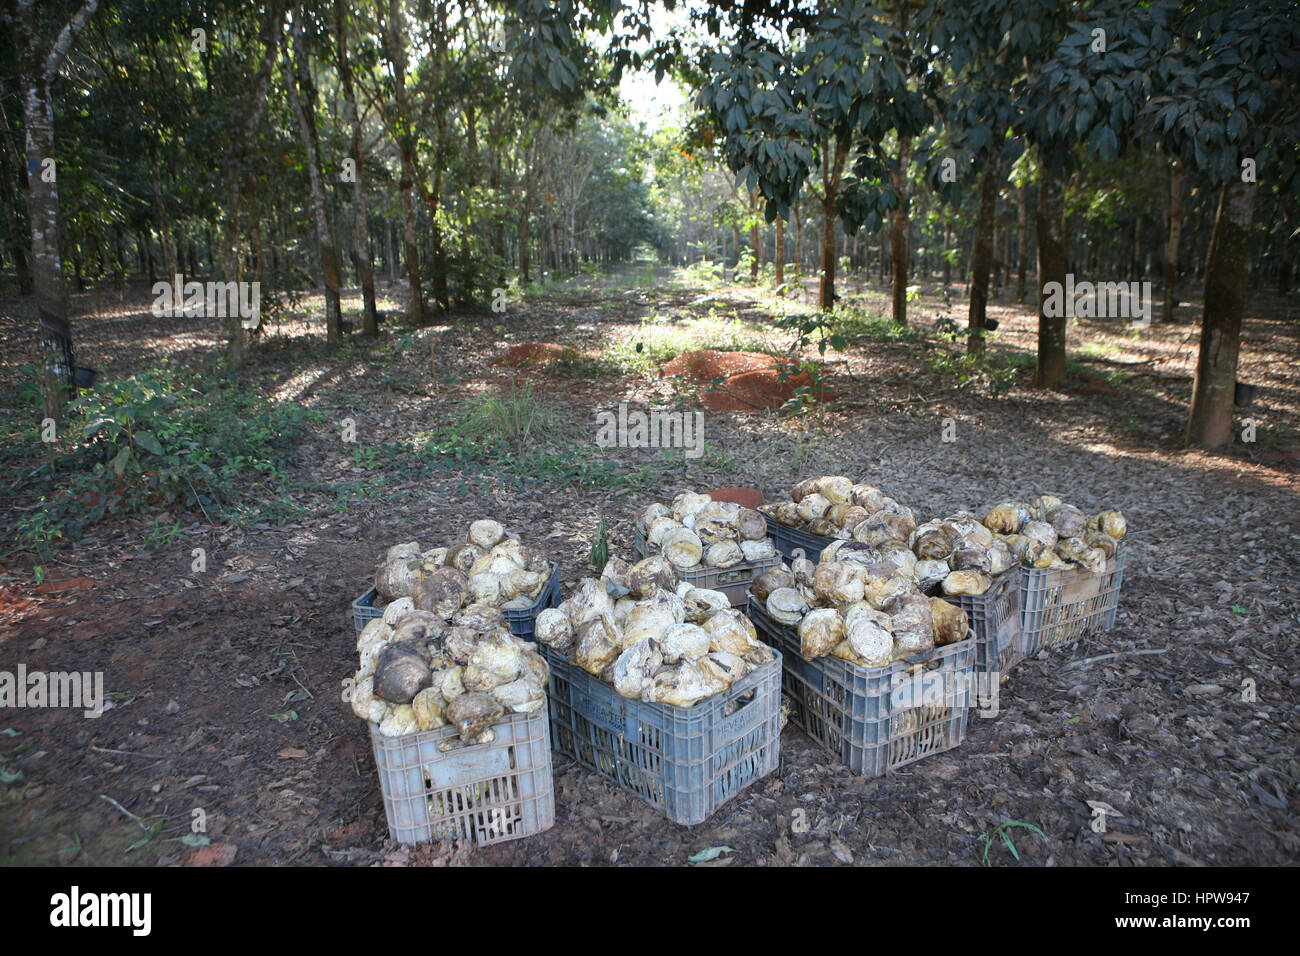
162 534
367 457
1002 830
506 418
599 554
704 273
39 530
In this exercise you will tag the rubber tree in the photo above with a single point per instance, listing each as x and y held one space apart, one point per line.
1226 108
977 115
302 94
1079 102
361 257
824 104
40 57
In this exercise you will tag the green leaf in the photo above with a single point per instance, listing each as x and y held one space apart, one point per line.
1075 719
1027 826
120 460
149 442
10 732
711 853
10 776
1238 609
1010 846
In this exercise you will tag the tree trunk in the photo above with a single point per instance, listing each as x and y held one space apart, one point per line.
144 252
410 244
1051 268
826 291
778 262
164 231
361 258
272 24
798 242
119 256
38 71
832 169
981 257
302 95
1284 256
1210 423
898 232
1172 240
995 281
394 50
1022 240
947 259
390 257
9 200
47 265
523 240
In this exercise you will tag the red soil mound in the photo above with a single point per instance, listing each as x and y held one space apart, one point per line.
751 379
535 353
705 365
756 391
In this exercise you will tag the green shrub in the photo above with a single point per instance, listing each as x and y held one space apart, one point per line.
156 441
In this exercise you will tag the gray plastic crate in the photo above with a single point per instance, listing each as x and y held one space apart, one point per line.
521 620
686 762
787 538
1060 606
875 719
732 581
995 620
485 794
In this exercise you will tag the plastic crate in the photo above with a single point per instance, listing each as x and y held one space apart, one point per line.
486 794
521 620
787 538
996 623
732 581
1059 606
875 719
686 762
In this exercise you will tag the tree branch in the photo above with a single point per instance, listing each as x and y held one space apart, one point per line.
61 46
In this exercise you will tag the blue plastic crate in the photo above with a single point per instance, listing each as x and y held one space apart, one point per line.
875 719
484 794
995 619
686 762
733 581
1060 606
787 539
521 620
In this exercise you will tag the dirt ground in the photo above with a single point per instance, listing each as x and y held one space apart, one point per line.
225 684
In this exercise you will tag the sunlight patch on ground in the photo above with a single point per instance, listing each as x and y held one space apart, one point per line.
294 388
